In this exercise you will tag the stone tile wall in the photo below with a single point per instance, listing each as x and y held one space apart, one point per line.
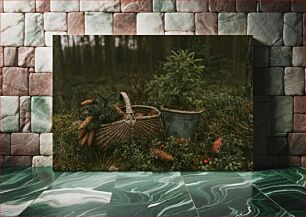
26 30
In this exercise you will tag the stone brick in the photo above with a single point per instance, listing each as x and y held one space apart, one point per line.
246 5
299 104
150 24
19 6
15 81
24 144
49 37
206 23
10 56
1 81
76 23
298 56
232 24
303 161
278 146
25 114
124 24
26 56
289 161
40 84
98 23
9 113
262 119
136 5
42 5
272 6
260 146
265 162
163 5
46 144
64 6
1 56
43 59
191 5
299 124
179 33
179 22
17 161
274 81
222 5
297 5
266 28
42 161
294 81
296 143
280 56
261 56
100 5
5 144
12 29
282 117
34 30
41 114
293 29
55 21
259 81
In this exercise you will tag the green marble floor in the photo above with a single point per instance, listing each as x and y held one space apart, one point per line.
42 192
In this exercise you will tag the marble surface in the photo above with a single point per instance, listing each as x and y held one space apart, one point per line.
43 192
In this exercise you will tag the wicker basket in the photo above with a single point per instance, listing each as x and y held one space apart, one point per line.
132 126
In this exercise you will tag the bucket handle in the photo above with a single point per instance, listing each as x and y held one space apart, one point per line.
130 119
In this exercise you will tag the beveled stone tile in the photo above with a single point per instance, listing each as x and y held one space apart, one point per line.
124 24
9 115
25 113
34 29
100 5
41 114
26 56
15 81
12 27
40 84
24 144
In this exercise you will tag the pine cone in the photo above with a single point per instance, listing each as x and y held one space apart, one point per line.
161 154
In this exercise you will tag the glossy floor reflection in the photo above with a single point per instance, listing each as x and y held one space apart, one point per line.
42 192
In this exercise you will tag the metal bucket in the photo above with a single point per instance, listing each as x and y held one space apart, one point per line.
180 123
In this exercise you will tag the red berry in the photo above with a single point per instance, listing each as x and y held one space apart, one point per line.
205 161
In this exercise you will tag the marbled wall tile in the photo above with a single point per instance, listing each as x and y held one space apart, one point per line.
41 114
26 56
206 23
42 5
294 81
43 59
136 5
270 6
19 6
46 144
179 22
55 21
100 5
164 5
40 84
9 113
156 26
1 56
25 114
299 104
5 144
179 33
42 161
64 6
124 24
222 5
293 29
232 23
266 28
10 56
76 23
16 161
12 29
24 144
34 29
98 23
192 5
15 81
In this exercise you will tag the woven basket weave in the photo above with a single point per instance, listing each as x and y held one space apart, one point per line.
131 127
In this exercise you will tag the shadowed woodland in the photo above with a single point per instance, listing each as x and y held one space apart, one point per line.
85 66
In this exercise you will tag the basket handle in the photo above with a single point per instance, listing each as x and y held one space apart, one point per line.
128 106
